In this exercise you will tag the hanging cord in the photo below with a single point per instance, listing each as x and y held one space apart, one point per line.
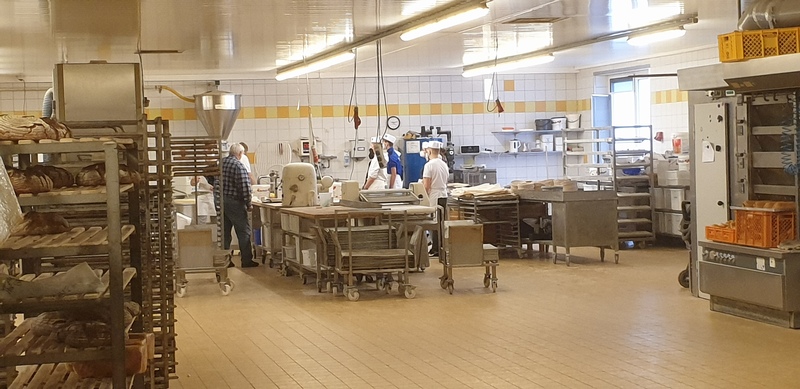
494 87
350 119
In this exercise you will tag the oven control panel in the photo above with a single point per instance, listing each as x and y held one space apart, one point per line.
742 260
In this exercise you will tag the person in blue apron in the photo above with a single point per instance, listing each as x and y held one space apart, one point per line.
394 169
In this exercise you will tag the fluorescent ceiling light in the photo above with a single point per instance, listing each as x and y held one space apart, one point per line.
445 22
653 37
315 65
510 65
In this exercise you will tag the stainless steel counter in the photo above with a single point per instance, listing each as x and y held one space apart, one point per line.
582 219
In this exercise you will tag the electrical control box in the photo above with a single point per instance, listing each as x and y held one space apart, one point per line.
359 148
303 147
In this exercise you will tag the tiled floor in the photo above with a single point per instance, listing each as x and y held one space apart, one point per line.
591 325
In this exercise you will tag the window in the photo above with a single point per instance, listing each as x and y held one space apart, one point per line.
630 106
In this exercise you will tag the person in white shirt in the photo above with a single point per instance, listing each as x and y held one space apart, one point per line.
376 175
246 162
434 179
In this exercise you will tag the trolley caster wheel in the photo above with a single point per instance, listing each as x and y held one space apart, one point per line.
319 287
443 282
219 279
602 255
450 287
226 287
387 288
353 295
328 287
181 291
683 278
271 263
335 290
487 280
305 280
494 286
410 292
380 283
616 259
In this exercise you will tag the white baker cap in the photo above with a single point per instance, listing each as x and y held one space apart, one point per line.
390 138
435 144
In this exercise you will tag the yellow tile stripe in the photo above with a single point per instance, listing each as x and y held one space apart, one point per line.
340 111
669 96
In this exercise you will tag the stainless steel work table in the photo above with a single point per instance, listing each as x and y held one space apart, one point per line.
581 219
300 223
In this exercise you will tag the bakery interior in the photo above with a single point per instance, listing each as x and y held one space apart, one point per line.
620 208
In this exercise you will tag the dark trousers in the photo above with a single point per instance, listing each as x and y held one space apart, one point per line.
435 235
235 212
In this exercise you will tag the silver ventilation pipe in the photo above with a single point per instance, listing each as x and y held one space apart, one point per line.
767 14
47 104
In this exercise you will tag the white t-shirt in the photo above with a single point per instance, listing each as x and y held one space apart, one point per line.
246 162
377 173
437 171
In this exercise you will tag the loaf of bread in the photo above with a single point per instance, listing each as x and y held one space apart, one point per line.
61 177
42 223
25 182
135 362
31 128
95 175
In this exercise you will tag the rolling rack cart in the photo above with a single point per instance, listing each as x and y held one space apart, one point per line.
499 215
462 247
198 250
371 250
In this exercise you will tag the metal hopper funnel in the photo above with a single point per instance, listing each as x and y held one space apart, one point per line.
217 110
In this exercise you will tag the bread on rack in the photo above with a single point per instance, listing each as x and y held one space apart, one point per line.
95 175
25 182
42 223
61 177
82 328
16 128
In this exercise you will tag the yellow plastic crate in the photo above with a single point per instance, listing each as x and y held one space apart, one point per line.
744 45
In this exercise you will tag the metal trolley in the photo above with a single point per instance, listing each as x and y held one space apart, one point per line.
498 213
375 250
198 250
462 247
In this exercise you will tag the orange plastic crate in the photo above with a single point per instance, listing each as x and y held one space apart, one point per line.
764 229
721 234
744 45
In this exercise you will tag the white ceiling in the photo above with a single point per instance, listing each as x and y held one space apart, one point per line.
251 38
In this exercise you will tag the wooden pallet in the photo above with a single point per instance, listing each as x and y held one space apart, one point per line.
78 236
76 190
122 141
127 275
57 376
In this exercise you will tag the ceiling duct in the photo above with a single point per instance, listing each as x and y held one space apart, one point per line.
218 110
768 14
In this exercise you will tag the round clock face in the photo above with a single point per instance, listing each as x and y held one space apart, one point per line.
393 122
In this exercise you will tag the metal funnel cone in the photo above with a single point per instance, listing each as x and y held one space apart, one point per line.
217 110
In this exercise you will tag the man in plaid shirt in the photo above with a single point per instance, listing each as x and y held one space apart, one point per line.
236 194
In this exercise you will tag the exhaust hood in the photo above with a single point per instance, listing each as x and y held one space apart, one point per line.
218 110
762 74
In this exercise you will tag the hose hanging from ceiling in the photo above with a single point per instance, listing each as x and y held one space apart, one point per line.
47 104
790 143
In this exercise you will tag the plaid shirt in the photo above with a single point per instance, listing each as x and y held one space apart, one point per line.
235 180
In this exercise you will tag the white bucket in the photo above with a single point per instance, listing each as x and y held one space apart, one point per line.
573 120
559 123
